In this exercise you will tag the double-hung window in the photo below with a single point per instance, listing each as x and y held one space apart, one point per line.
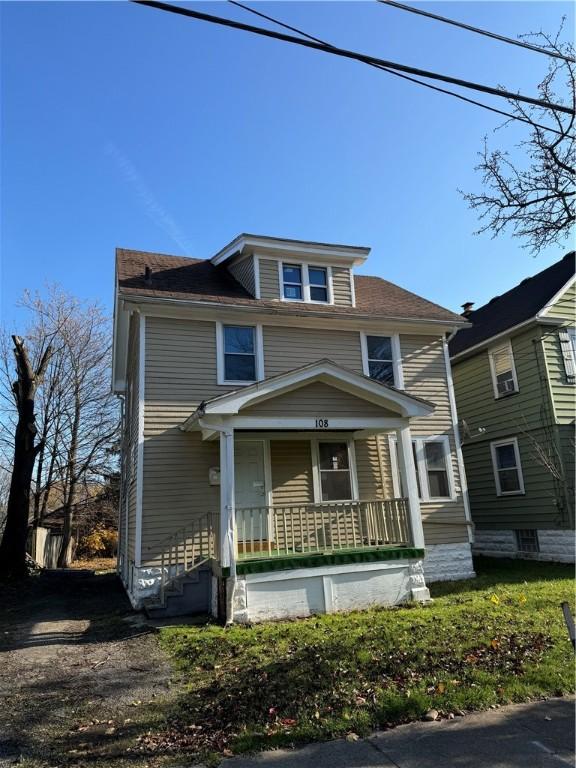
292 279
507 467
432 462
303 282
503 371
238 355
334 470
318 281
379 359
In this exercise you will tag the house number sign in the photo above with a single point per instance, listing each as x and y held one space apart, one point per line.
321 423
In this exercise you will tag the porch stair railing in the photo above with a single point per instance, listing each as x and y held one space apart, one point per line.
184 551
295 529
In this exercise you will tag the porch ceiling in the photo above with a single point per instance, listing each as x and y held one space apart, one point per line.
391 401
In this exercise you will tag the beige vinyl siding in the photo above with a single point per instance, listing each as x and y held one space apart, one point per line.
288 348
180 373
373 483
341 286
317 399
269 280
243 272
424 369
291 464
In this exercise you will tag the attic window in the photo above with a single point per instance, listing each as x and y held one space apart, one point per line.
303 282
504 379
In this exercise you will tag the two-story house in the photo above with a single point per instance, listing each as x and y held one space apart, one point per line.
290 439
515 375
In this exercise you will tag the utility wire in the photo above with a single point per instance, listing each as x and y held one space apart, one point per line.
485 32
351 54
398 74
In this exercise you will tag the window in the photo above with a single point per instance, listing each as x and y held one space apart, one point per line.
292 280
239 354
432 462
567 337
437 470
334 468
379 359
318 279
303 282
527 541
503 372
507 469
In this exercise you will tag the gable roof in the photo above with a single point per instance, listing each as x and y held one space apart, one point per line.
199 280
518 305
325 371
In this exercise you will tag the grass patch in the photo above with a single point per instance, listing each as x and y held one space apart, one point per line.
494 640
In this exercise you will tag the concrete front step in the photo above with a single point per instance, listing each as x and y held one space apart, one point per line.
189 596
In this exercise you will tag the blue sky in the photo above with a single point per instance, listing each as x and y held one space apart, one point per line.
126 126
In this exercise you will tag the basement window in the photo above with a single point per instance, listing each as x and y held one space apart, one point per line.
527 540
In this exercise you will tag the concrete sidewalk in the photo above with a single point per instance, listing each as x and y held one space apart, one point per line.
539 735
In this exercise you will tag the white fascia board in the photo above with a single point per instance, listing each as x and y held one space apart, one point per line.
329 374
119 345
271 316
270 245
549 304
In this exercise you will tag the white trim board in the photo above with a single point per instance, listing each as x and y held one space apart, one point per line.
493 446
140 462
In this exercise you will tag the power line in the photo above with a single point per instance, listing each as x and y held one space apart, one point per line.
487 33
398 74
351 54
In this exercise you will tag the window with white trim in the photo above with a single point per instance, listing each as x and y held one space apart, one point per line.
335 471
567 338
380 359
239 354
433 469
503 371
292 281
318 280
507 467
305 282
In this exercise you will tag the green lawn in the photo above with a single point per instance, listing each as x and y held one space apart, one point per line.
497 639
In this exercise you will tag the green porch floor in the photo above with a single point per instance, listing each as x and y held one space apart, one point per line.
280 562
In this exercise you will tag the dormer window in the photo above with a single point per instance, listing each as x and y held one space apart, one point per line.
318 279
292 278
304 282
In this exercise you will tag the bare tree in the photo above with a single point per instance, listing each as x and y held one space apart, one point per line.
29 378
534 198
76 412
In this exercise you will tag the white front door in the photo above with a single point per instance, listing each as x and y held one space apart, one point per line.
250 482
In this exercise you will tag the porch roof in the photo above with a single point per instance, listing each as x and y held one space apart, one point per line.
325 371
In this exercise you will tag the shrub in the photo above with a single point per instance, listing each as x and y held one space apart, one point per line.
99 542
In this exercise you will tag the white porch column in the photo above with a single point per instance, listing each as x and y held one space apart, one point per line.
227 544
410 484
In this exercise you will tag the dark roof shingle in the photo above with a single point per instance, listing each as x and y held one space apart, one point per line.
179 277
515 306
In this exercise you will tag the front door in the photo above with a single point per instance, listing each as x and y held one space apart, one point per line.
250 482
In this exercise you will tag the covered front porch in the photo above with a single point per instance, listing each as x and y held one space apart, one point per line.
291 495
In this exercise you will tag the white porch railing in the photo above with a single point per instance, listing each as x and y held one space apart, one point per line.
326 527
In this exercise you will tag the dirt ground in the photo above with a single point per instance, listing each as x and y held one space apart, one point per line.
79 672
95 564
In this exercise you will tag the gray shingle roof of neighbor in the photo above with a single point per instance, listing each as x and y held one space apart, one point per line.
183 278
515 306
